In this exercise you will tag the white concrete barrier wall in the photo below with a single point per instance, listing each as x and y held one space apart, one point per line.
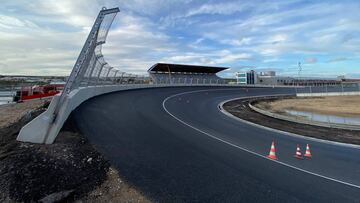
42 129
323 94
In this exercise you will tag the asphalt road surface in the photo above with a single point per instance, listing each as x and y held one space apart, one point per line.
175 145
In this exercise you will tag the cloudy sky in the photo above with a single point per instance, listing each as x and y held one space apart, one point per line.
44 37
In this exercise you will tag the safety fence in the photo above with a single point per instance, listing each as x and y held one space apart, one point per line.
90 68
329 89
7 94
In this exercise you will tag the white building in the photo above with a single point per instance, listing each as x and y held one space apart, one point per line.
270 78
249 77
262 78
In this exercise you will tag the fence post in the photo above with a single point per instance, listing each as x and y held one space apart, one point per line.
21 92
92 68
98 76
116 72
107 74
121 78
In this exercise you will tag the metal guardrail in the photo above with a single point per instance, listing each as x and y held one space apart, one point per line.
344 87
326 94
7 94
303 121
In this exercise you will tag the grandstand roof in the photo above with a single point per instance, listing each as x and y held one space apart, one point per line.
181 68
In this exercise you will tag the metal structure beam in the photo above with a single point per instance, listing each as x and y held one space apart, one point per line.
92 47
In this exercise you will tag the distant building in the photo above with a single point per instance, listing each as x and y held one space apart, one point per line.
241 77
249 77
268 73
270 78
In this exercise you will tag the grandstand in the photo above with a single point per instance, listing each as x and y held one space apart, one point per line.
165 73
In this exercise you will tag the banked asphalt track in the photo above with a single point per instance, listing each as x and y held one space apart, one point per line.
175 145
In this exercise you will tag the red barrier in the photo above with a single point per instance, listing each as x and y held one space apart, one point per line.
38 96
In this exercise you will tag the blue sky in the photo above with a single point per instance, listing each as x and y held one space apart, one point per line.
44 37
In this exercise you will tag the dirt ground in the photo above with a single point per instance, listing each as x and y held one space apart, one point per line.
11 113
114 189
69 170
241 109
334 105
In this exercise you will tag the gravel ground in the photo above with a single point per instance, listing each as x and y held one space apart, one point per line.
69 170
114 189
241 109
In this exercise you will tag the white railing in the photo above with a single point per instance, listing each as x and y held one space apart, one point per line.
328 90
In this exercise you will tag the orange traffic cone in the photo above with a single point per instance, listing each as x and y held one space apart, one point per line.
298 153
272 154
307 153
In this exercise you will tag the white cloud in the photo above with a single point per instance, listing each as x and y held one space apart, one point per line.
218 8
337 59
228 57
131 43
46 36
310 60
10 22
278 38
236 42
80 13
222 57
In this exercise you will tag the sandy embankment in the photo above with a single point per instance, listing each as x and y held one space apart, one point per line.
335 105
11 113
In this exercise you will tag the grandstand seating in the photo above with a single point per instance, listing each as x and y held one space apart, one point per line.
162 73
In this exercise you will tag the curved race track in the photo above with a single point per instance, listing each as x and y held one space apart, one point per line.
174 144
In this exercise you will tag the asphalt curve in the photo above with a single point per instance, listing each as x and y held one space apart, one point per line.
175 145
